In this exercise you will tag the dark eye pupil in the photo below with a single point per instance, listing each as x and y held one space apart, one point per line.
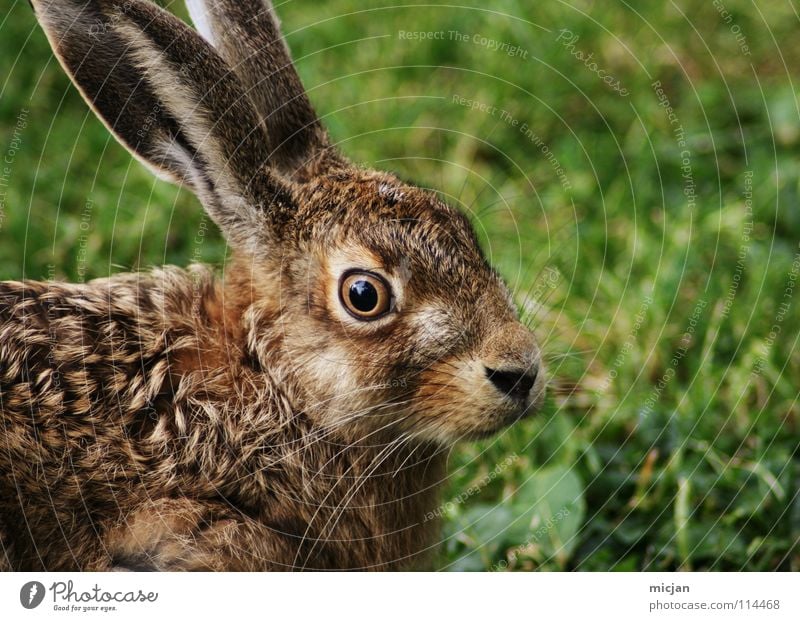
363 296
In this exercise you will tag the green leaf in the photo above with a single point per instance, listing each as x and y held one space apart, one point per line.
552 505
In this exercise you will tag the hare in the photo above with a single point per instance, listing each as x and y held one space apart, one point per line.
292 413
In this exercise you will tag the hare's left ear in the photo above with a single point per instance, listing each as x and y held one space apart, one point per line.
169 98
246 33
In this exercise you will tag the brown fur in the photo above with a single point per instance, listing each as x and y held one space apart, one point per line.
182 420
98 455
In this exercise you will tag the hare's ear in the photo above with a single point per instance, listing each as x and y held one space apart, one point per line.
247 35
169 98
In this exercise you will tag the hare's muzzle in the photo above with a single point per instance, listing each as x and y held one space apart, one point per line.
512 364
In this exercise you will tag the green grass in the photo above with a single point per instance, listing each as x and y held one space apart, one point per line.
670 439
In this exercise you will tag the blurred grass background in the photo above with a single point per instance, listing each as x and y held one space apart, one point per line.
659 276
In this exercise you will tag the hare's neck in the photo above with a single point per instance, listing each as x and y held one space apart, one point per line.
377 504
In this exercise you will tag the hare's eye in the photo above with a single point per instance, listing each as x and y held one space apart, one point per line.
365 295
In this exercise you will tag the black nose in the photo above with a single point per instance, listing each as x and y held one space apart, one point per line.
515 383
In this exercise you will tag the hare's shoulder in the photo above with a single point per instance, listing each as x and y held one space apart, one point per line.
122 313
75 347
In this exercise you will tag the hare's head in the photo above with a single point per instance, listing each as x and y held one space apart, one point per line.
388 315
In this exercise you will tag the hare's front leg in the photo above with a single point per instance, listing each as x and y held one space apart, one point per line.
188 535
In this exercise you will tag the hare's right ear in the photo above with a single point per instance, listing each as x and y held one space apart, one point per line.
171 100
